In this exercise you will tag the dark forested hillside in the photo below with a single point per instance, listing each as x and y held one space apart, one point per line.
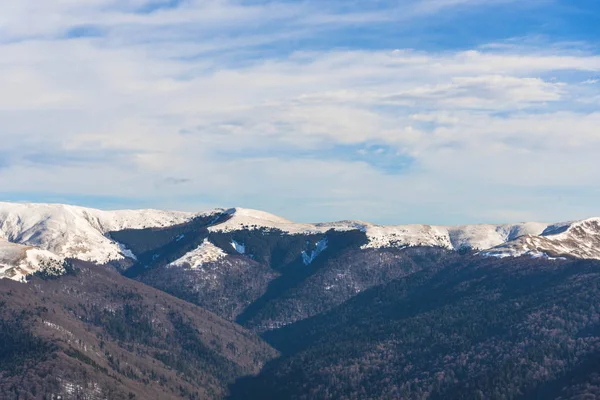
466 327
270 285
335 279
245 287
95 334
226 287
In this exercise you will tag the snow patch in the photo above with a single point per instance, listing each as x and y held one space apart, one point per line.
320 247
126 252
240 248
18 261
205 253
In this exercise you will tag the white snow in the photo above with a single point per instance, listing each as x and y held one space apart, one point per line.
240 248
205 253
579 239
319 248
126 252
473 236
242 218
18 261
41 236
481 236
77 232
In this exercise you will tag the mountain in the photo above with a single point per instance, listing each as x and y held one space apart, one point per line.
471 236
245 304
77 232
94 334
579 239
252 267
466 327
87 234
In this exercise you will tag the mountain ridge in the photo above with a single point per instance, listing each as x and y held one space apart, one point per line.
64 231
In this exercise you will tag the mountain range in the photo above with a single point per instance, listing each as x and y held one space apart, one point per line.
35 236
243 304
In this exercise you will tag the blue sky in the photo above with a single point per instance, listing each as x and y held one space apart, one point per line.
406 111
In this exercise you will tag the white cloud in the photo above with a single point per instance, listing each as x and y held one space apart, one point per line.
116 115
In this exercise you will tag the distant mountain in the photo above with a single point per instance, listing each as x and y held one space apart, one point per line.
89 235
74 232
465 236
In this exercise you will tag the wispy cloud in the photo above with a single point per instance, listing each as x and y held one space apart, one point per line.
222 102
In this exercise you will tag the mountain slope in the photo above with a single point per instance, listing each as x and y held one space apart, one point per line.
253 267
95 334
258 269
466 328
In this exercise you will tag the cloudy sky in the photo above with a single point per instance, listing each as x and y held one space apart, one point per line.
392 111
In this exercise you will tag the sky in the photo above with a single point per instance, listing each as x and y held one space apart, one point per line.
394 112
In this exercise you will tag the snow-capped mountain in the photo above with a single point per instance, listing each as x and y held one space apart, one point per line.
457 237
579 239
77 232
36 235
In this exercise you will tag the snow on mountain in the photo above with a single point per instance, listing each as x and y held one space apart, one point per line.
308 258
18 261
450 237
77 232
577 239
239 247
580 239
34 236
487 236
242 218
407 235
205 253
472 236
